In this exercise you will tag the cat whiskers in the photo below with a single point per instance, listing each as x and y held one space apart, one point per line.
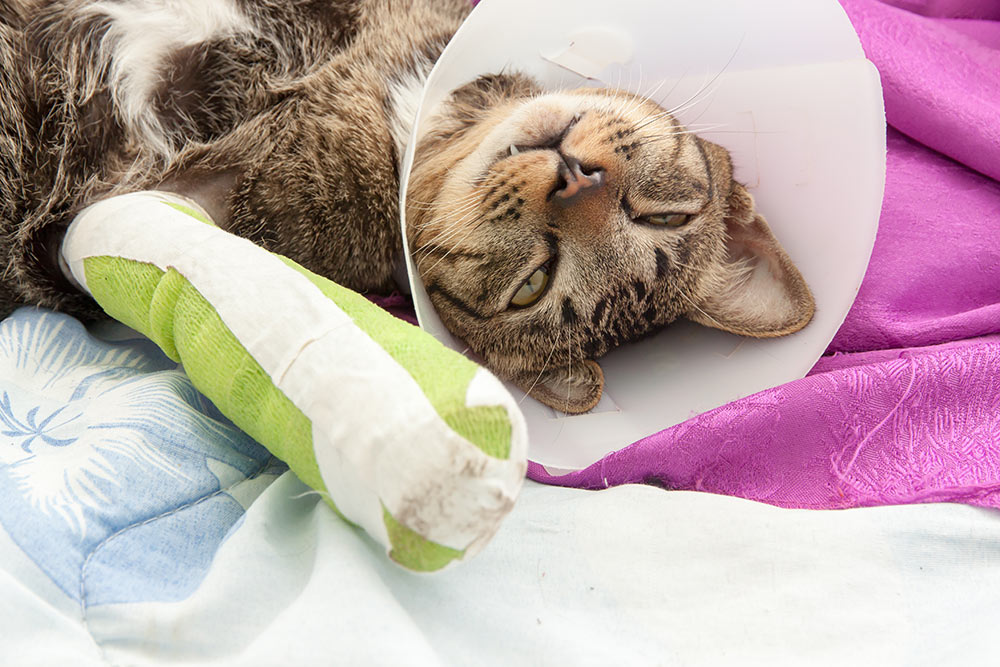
635 101
438 243
703 92
569 378
471 217
670 92
579 349
642 98
682 131
695 306
454 245
629 105
705 88
435 220
545 367
743 268
470 198
466 207
458 218
622 107
649 120
657 138
693 128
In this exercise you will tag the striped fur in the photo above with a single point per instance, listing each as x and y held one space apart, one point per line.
286 119
613 277
274 114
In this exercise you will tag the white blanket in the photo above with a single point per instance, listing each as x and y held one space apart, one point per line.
137 527
631 575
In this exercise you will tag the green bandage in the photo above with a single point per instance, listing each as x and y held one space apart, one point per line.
408 439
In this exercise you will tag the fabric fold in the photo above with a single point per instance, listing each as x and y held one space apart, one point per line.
940 84
922 425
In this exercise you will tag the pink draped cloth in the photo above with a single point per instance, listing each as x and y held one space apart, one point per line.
905 407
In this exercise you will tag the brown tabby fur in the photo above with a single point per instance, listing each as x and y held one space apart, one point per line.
278 117
280 131
613 277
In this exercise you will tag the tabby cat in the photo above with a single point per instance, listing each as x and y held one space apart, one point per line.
548 228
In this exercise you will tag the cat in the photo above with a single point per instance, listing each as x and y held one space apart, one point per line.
548 227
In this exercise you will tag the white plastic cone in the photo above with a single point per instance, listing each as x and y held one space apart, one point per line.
782 84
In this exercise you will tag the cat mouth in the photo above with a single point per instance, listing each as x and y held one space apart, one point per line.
550 143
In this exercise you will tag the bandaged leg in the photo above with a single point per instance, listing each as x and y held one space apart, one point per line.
419 446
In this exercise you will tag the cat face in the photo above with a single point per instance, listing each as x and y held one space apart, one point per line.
550 228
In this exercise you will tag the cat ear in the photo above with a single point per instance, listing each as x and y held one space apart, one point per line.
758 291
572 390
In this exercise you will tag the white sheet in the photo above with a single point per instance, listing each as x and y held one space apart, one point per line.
630 575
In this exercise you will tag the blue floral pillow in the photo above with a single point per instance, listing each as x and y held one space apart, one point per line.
118 480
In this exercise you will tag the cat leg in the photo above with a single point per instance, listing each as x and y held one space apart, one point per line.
309 179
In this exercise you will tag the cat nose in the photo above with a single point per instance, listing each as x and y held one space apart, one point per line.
575 182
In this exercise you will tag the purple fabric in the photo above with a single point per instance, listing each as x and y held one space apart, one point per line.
396 304
906 407
977 9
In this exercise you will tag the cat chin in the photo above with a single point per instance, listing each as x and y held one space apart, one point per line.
571 389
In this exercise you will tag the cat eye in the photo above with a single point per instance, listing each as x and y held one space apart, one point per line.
666 219
533 287
657 219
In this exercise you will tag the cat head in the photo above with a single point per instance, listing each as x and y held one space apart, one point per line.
550 228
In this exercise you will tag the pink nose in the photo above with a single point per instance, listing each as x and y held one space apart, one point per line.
575 182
